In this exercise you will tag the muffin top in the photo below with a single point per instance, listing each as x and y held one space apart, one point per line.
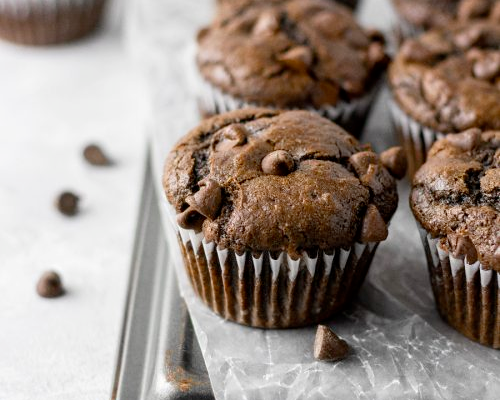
449 80
259 179
291 54
428 14
456 195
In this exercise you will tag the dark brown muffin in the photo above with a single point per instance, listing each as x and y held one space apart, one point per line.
420 15
285 190
294 54
456 201
446 81
48 22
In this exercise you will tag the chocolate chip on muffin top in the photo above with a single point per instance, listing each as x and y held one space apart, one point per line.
291 54
258 179
449 80
456 195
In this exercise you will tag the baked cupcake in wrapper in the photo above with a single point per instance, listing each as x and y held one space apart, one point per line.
442 82
278 214
291 55
456 199
418 16
34 22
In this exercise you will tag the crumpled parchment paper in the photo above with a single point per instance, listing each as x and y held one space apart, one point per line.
400 347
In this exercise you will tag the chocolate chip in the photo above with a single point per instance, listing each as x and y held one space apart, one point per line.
95 156
298 58
207 201
190 219
467 140
49 285
462 246
465 39
374 228
488 67
328 346
278 162
267 23
414 51
231 136
361 161
394 159
67 203
469 9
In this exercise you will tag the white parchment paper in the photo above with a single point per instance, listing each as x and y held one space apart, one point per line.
401 348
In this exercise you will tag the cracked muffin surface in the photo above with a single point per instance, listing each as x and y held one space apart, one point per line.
291 54
456 195
449 79
266 180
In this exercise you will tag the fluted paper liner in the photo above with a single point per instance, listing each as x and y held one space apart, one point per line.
467 295
415 138
272 290
36 22
350 115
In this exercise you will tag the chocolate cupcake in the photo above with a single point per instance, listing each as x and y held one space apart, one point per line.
34 22
294 54
417 16
445 81
278 214
456 201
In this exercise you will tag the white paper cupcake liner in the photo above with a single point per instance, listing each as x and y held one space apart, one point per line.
351 115
272 290
41 22
415 138
467 295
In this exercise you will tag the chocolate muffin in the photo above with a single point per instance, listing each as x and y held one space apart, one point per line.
456 201
34 22
446 81
294 54
416 16
278 214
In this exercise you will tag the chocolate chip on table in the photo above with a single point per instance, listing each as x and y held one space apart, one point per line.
328 346
94 155
462 245
50 285
67 203
467 140
374 228
278 162
394 159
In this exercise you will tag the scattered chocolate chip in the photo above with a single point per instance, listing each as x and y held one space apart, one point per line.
465 39
207 200
297 58
278 162
467 140
414 51
328 346
394 159
49 285
267 24
67 203
374 228
361 161
190 219
232 136
462 246
469 9
487 67
95 156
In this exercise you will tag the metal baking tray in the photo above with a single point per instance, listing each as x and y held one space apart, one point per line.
159 357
